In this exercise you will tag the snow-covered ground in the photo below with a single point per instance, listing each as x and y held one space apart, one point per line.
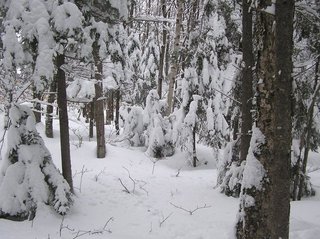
166 199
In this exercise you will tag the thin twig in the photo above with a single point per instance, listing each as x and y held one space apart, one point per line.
190 211
125 188
134 182
165 219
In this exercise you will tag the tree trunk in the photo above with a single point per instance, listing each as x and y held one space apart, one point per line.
307 135
36 93
98 102
247 80
163 49
118 98
265 201
63 120
109 115
194 149
37 105
91 119
175 57
49 113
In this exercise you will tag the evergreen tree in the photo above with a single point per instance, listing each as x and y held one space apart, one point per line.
28 178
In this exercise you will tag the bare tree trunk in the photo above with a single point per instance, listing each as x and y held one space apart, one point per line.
265 204
118 98
64 122
109 115
91 119
194 149
49 113
163 49
307 134
175 57
98 102
37 105
247 80
36 94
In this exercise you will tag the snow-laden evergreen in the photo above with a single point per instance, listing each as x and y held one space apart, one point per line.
158 134
28 178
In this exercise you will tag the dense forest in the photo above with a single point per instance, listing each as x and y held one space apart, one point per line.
167 77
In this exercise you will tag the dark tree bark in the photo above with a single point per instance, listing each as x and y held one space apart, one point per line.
301 172
110 108
163 48
49 113
64 122
98 102
36 93
37 105
265 207
247 80
118 98
91 119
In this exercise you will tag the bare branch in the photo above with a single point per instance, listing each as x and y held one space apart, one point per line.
165 219
190 211
125 188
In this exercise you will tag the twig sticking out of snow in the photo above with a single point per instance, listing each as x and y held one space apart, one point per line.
190 211
134 182
165 219
81 233
82 172
96 177
124 186
178 172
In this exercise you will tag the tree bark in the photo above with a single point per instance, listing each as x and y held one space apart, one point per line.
163 49
247 80
49 113
98 102
118 98
109 115
268 215
37 105
308 132
91 119
64 122
175 57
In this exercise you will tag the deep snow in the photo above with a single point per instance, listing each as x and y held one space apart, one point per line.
102 209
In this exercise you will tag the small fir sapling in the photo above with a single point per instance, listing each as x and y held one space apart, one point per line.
158 129
132 123
28 177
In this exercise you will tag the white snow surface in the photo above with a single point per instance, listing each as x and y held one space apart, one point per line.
148 211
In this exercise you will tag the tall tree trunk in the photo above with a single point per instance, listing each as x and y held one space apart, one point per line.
109 112
36 93
307 134
265 201
118 98
91 119
98 102
37 105
194 149
175 57
64 122
49 113
163 49
247 80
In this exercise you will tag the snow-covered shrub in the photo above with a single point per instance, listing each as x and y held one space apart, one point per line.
158 128
28 177
132 123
